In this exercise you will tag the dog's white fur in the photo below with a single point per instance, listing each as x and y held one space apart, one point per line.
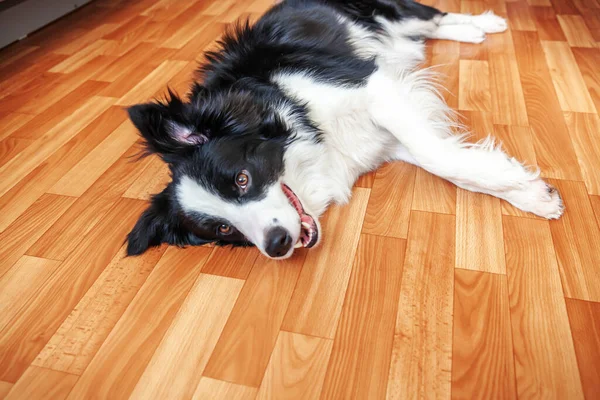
397 115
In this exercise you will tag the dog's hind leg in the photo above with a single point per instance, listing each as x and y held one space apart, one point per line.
488 22
468 28
418 119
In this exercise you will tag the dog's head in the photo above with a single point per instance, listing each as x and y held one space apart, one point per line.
226 156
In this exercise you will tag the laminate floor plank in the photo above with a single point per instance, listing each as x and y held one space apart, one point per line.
482 357
545 362
422 348
576 240
23 339
42 383
244 348
297 367
135 338
584 317
313 310
361 355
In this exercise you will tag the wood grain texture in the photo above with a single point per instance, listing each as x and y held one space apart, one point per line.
23 76
366 180
482 359
553 147
133 341
388 210
147 87
360 359
316 305
422 348
473 51
480 124
576 31
592 20
520 16
587 61
585 326
545 363
234 263
474 96
91 167
433 194
221 390
585 134
568 82
507 93
58 109
70 229
62 87
35 184
447 66
126 63
144 67
26 161
77 340
20 283
479 233
517 141
22 340
42 383
595 200
297 367
5 387
577 243
245 346
90 52
176 367
545 3
11 122
32 224
547 24
11 147
186 31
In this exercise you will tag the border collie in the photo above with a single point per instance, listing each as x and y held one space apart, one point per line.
289 112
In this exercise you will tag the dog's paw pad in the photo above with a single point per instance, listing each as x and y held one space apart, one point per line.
555 207
539 198
490 23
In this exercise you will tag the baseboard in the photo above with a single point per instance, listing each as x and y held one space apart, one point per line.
19 18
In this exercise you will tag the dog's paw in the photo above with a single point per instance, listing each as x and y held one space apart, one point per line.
468 34
539 198
490 22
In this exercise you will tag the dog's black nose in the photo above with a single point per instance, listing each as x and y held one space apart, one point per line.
278 242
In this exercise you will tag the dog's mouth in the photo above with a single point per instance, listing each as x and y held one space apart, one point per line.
309 232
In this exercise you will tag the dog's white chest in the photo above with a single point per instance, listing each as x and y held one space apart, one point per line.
352 143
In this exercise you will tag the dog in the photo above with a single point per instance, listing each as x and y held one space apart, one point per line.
290 111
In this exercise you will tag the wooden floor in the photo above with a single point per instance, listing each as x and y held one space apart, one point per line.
419 290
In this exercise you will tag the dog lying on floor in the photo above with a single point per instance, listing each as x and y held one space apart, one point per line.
292 110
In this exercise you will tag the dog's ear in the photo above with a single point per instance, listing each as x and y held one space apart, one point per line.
164 128
160 223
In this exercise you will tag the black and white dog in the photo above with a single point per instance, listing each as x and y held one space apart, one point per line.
291 111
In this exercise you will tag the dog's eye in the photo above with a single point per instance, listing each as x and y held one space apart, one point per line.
224 229
242 179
